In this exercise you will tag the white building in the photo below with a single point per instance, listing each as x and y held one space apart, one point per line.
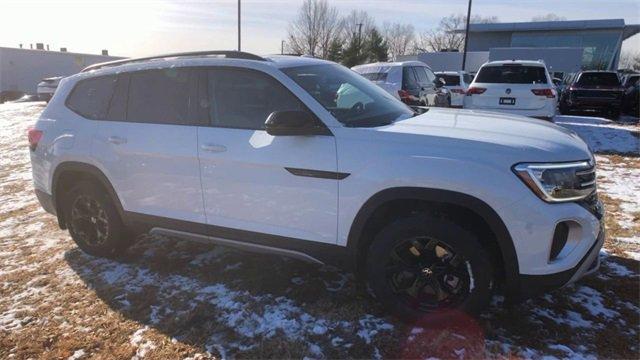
22 69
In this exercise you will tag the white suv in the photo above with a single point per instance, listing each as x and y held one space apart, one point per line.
513 86
457 82
431 209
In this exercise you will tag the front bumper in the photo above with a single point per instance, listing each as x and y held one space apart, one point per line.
531 285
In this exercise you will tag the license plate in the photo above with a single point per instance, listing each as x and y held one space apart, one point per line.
507 101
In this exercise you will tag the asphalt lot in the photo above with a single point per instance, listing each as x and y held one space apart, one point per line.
171 299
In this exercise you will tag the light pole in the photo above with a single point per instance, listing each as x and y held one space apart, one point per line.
282 47
466 37
239 47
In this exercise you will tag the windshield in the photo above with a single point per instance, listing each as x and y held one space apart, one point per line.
350 98
603 79
512 74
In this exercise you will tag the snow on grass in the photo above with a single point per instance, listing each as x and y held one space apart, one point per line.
592 300
142 346
603 135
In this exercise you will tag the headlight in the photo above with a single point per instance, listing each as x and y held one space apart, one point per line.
560 181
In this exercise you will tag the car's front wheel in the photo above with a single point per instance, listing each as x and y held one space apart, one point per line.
427 269
93 221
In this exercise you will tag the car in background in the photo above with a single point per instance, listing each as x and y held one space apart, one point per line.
412 82
630 80
630 101
457 83
47 87
520 87
593 91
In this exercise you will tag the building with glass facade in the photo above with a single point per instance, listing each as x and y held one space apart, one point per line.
600 40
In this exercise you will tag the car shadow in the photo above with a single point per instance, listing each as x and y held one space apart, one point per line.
229 302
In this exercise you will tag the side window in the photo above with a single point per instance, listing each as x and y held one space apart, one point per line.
160 96
421 75
243 99
468 79
90 98
408 78
118 106
430 75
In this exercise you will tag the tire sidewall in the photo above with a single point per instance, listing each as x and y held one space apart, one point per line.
453 235
117 240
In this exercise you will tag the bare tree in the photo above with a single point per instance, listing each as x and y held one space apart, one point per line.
312 32
449 35
548 17
630 60
399 38
358 22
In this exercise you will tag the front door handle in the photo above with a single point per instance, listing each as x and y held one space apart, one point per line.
117 140
213 148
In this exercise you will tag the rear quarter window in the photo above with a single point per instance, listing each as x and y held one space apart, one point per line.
90 98
512 74
376 76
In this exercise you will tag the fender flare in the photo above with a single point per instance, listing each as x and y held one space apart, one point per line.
482 209
89 169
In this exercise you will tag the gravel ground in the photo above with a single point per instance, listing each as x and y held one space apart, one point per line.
171 299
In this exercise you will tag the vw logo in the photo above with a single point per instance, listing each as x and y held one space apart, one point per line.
508 91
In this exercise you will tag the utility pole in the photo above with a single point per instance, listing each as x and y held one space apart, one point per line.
239 47
466 37
359 25
282 47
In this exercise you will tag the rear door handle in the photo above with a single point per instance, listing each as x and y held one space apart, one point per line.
117 140
215 148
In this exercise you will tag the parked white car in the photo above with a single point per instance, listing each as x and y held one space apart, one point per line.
412 82
47 87
457 82
432 209
515 86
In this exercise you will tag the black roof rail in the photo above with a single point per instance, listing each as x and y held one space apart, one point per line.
231 54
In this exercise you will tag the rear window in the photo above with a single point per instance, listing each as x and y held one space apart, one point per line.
450 80
90 98
602 79
512 74
375 76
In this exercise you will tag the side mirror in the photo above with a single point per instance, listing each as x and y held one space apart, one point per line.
439 82
292 123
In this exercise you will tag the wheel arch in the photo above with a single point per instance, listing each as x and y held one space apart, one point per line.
70 172
359 239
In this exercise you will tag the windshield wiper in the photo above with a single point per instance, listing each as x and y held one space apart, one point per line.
368 123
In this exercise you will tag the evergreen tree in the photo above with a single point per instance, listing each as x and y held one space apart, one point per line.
353 54
335 50
376 48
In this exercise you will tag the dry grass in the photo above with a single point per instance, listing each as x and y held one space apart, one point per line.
63 300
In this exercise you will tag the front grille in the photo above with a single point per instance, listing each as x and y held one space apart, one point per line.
587 178
593 205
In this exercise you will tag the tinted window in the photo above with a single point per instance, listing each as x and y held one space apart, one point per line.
350 98
159 96
512 74
90 98
599 78
421 75
375 76
468 78
118 106
450 80
244 98
408 78
431 77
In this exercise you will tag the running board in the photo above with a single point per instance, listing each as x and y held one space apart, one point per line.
257 248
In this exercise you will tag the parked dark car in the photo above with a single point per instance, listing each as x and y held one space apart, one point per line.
593 91
631 100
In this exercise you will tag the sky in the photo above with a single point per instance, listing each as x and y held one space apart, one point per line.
146 27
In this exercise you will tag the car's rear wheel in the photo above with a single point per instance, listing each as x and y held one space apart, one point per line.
427 269
93 221
564 109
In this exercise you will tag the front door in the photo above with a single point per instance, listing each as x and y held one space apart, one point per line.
252 181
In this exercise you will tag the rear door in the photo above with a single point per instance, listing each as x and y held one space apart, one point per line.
411 86
147 145
511 86
259 183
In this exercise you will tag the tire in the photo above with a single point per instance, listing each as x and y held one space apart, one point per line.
564 109
94 222
474 291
